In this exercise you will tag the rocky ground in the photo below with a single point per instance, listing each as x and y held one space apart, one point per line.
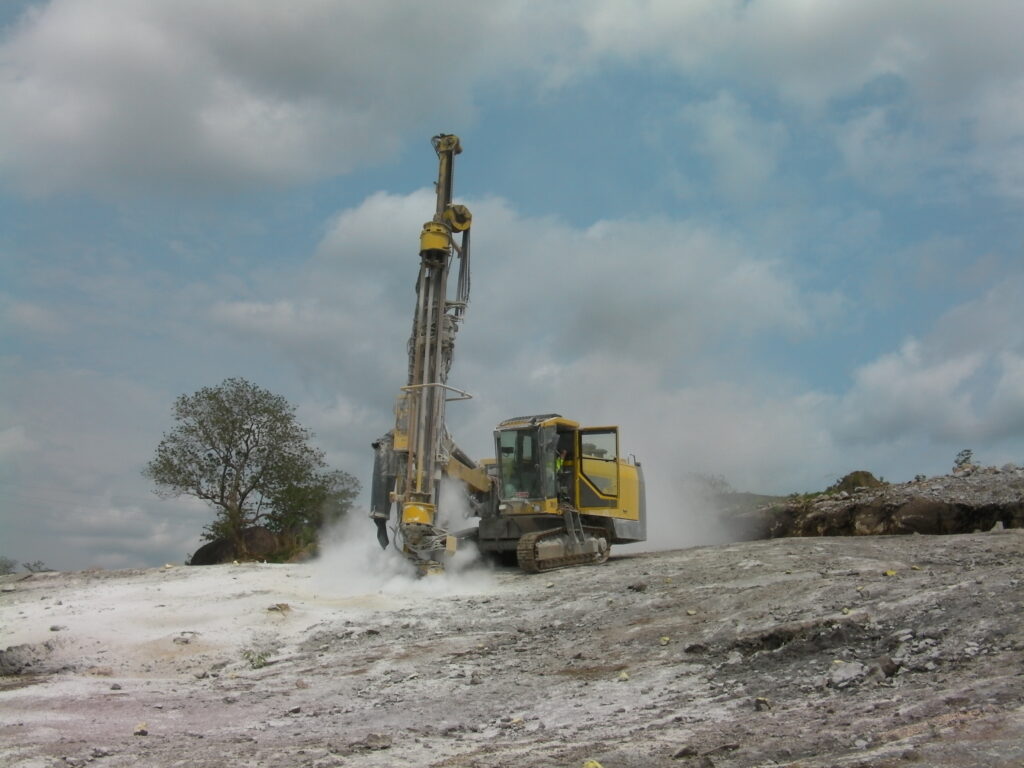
863 651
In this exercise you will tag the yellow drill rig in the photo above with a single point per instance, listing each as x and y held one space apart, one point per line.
557 494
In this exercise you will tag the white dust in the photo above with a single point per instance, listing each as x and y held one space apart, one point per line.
352 563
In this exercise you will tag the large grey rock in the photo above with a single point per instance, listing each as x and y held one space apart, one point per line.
26 658
259 545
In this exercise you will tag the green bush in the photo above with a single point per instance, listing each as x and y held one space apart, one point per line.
860 478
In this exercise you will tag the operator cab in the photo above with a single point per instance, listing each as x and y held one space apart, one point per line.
550 458
526 461
561 492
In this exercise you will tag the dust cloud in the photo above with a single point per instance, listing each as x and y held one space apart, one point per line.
682 510
352 563
453 505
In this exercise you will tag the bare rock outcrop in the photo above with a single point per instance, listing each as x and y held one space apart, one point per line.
971 499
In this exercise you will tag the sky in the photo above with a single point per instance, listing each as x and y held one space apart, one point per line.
771 240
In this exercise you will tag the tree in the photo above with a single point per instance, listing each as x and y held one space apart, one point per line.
963 459
7 565
240 448
303 512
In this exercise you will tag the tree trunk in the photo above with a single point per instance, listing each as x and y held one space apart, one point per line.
236 523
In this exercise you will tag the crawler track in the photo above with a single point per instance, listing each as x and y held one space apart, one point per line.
526 552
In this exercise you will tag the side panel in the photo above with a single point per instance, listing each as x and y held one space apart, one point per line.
632 525
628 505
502 533
630 498
590 497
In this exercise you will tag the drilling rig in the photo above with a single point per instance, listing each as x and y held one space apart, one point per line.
557 494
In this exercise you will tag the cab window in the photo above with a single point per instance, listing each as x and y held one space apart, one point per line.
599 452
519 461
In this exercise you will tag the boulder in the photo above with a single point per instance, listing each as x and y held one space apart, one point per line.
26 658
259 543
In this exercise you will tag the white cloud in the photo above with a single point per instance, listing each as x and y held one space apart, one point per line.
880 155
650 291
74 495
636 322
998 130
346 426
14 440
353 299
909 390
120 95
814 52
34 318
298 327
1007 403
952 72
961 383
742 149
643 290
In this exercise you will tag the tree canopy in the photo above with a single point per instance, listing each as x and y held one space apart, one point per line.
240 448
301 511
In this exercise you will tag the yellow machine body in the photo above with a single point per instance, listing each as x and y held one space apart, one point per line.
563 493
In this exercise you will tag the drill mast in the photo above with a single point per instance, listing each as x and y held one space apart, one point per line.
412 459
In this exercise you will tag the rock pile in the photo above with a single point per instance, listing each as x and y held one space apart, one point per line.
971 499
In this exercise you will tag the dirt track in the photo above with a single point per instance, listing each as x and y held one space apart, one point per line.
802 652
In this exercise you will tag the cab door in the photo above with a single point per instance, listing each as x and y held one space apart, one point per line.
598 470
